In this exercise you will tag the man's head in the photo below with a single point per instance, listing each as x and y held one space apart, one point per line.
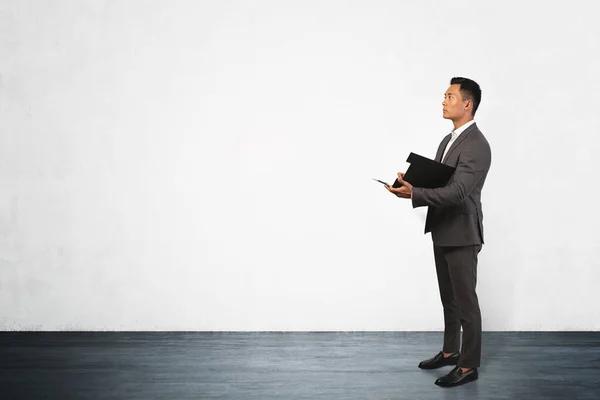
461 100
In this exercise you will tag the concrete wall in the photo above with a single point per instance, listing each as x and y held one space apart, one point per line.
196 165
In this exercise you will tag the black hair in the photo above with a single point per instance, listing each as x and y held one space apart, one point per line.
469 90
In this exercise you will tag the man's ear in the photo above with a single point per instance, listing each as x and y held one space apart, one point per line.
468 103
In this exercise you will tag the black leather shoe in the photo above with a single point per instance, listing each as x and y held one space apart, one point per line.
439 361
457 377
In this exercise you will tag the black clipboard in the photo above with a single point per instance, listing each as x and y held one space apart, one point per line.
424 172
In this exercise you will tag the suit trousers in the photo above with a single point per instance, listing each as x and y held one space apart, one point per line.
457 278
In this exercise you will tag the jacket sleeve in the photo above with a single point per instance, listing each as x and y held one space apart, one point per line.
473 164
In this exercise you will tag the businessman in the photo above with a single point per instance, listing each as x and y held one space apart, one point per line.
454 218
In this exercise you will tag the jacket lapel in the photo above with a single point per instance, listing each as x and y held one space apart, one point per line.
438 156
459 140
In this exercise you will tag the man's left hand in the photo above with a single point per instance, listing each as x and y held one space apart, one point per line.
405 191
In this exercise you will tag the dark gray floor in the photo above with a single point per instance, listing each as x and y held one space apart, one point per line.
289 366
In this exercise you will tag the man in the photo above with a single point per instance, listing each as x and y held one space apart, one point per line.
454 218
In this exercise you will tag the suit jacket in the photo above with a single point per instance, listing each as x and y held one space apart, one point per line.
455 215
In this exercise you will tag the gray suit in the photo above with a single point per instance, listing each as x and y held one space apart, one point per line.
455 220
455 216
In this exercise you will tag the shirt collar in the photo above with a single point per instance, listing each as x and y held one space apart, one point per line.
462 128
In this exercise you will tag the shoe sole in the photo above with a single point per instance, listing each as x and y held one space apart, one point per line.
471 378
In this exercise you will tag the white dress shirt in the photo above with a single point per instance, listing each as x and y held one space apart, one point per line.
455 134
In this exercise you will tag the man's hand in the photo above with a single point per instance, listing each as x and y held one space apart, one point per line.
405 191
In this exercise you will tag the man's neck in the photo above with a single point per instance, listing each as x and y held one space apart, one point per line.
460 122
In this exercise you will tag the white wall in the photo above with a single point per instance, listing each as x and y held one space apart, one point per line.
186 165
